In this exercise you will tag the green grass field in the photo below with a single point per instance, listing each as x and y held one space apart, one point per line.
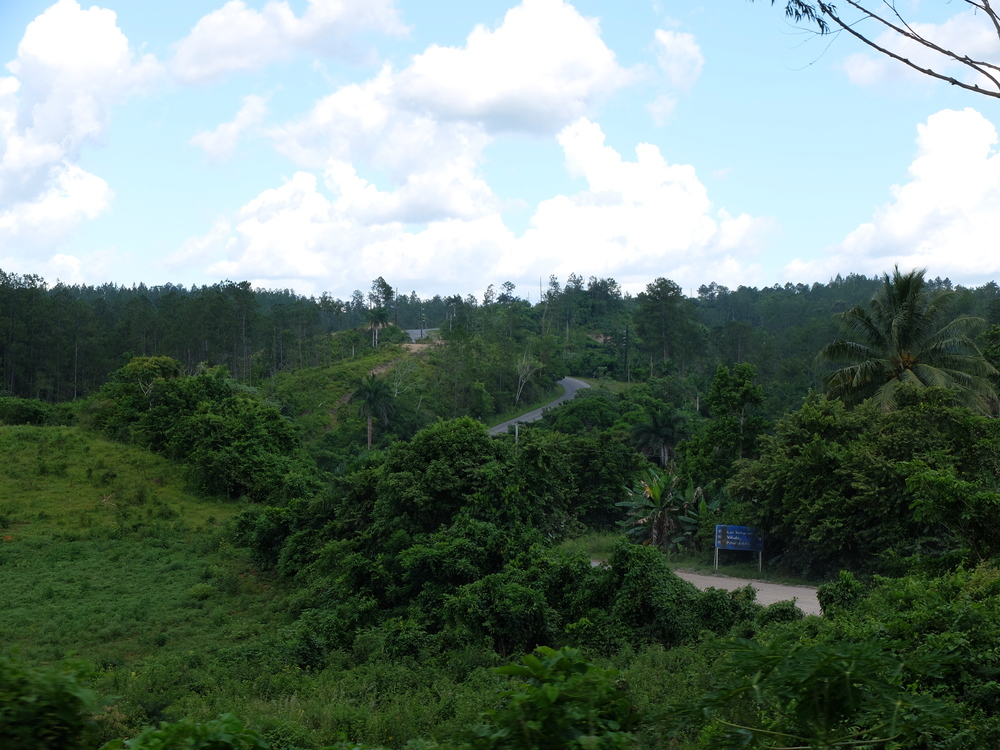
104 555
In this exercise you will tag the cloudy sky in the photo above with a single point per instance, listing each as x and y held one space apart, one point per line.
446 145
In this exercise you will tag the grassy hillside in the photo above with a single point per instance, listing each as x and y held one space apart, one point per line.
104 555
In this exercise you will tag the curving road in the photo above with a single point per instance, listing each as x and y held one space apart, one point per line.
570 387
767 593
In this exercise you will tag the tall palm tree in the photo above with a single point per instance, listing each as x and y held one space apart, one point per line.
906 338
660 434
376 318
374 399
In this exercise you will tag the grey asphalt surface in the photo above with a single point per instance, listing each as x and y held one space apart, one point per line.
420 333
767 593
570 385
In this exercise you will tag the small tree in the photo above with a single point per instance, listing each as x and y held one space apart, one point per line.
906 337
525 369
376 317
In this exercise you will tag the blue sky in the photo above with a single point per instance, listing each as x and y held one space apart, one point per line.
445 146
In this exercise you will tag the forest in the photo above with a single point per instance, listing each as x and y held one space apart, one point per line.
238 518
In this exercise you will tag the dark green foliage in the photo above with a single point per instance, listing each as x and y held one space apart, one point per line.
592 409
830 489
662 512
647 598
567 480
942 630
425 482
224 733
732 433
33 411
908 338
720 610
665 320
659 435
512 616
46 708
824 696
563 702
840 595
234 443
374 399
967 507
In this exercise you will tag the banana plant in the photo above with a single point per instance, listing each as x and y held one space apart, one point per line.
662 512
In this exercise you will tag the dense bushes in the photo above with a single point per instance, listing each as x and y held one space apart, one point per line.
33 411
451 535
850 489
563 701
233 442
46 708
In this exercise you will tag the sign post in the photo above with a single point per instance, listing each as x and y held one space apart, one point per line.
739 538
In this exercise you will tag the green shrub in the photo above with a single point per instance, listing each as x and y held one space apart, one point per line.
821 695
514 617
842 594
32 411
224 732
201 591
45 707
564 702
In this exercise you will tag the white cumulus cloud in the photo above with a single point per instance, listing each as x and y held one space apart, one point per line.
946 217
71 195
236 37
221 143
543 67
641 218
425 127
72 66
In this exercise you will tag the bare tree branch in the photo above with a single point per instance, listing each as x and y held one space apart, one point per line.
826 18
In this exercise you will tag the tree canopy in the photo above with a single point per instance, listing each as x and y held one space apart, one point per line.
907 339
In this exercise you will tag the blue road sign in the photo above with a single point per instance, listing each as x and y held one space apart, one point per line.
737 537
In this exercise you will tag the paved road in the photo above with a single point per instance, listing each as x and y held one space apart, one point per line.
767 593
420 333
570 386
